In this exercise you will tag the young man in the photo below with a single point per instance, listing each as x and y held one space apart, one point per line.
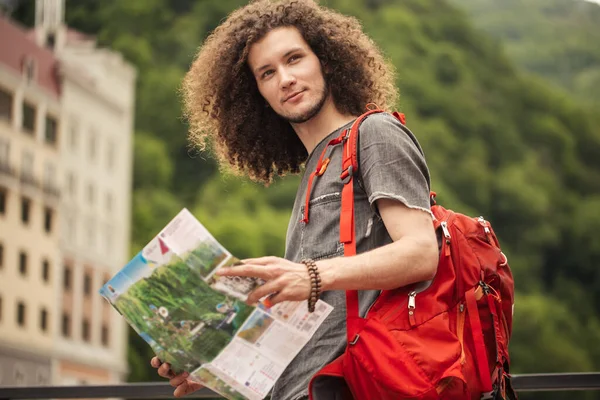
271 86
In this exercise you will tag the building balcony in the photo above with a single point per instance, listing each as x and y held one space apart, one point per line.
51 190
28 179
7 170
9 177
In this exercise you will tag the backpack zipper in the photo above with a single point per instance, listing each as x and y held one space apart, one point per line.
486 228
411 308
446 232
412 301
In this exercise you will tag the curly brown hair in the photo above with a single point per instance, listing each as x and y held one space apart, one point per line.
221 97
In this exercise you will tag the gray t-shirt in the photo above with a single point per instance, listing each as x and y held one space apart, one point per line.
391 165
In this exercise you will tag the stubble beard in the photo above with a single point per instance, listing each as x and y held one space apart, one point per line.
311 112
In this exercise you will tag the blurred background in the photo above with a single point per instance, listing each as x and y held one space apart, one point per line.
504 97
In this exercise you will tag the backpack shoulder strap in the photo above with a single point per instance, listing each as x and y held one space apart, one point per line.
350 157
347 228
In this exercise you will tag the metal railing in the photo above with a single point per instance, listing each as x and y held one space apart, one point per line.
51 189
162 390
28 179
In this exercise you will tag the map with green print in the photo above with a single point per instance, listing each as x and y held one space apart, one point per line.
197 321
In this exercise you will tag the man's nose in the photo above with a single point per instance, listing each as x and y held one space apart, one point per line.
287 78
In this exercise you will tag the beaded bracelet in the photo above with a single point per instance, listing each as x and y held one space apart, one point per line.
315 283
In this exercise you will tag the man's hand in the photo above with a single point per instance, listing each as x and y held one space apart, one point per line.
284 280
180 382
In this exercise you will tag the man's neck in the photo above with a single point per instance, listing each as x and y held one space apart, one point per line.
317 128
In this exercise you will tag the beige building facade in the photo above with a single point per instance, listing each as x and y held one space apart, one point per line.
66 132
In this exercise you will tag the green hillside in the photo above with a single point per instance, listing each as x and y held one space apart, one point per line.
499 144
556 39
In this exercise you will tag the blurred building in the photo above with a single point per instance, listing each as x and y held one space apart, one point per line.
66 131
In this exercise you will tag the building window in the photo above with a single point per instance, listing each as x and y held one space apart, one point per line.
87 284
41 377
91 194
69 225
72 184
29 69
66 325
48 217
4 154
51 130
73 133
51 41
44 320
25 210
46 270
110 156
109 202
91 234
6 102
27 165
3 200
109 238
23 263
19 374
28 118
67 278
21 313
93 144
49 176
85 330
104 335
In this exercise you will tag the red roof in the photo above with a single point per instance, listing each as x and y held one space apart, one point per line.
16 46
76 36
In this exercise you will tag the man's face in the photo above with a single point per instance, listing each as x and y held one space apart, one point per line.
288 74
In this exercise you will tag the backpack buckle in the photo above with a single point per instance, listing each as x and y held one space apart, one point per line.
484 286
353 342
347 175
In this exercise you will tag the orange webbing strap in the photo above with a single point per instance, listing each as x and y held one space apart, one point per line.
351 151
477 334
460 331
494 301
348 237
347 229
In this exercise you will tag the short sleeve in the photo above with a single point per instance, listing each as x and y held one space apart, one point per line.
391 163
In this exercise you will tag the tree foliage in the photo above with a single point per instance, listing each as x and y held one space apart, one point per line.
556 39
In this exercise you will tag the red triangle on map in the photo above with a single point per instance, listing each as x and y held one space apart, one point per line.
163 247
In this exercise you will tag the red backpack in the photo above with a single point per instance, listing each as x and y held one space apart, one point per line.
449 341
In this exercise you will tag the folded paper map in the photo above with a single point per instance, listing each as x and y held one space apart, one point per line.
198 322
